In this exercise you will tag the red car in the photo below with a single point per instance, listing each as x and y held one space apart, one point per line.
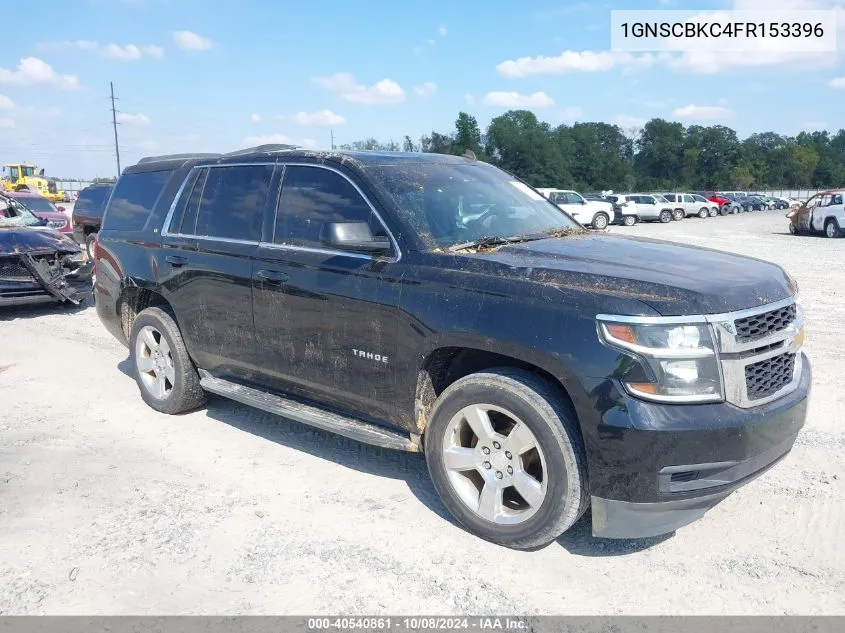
42 208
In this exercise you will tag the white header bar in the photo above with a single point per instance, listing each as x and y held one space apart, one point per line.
775 31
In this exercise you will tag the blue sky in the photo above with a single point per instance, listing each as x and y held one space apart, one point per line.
215 76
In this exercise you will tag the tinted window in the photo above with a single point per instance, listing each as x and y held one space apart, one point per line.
312 196
133 200
187 204
92 199
232 202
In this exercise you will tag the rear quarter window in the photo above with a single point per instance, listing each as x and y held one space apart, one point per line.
92 200
133 200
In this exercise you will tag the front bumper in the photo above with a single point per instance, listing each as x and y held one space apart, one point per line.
44 287
666 465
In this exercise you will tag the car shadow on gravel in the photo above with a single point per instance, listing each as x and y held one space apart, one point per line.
13 313
382 462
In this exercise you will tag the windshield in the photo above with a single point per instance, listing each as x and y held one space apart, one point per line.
452 204
28 172
14 214
38 204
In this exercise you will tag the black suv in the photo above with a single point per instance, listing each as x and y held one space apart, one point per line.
88 213
436 303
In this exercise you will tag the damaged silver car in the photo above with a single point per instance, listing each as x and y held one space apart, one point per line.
37 264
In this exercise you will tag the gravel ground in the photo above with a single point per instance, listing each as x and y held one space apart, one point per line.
107 507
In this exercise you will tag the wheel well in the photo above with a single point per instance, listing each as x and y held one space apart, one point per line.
447 364
132 301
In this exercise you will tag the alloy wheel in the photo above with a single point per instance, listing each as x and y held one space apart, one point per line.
154 362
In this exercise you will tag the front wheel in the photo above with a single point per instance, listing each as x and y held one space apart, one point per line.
164 372
665 216
507 459
600 221
703 213
714 212
629 220
678 214
831 228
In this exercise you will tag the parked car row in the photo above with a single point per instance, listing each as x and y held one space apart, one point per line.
598 210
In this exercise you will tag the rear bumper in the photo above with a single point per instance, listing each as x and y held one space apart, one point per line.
655 468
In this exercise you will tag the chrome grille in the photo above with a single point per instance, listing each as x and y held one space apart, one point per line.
11 269
765 324
766 377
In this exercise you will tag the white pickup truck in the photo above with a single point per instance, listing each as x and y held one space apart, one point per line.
593 213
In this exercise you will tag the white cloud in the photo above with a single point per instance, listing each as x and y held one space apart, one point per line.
33 71
516 100
838 83
702 113
627 121
572 113
426 89
127 53
345 85
469 99
256 118
6 123
153 51
442 30
133 119
6 103
574 61
320 117
86 45
265 139
190 41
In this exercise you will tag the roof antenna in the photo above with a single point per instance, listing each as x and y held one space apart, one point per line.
470 154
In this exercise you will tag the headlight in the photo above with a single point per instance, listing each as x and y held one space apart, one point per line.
57 224
679 359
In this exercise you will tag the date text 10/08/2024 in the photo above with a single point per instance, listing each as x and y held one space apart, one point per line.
422 623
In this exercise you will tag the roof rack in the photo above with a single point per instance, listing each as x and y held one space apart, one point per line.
151 159
266 148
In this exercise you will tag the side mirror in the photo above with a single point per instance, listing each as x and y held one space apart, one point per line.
41 172
583 201
353 236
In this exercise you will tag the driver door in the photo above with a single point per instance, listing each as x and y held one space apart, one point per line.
820 212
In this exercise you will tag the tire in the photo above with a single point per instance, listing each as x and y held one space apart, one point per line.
89 244
831 228
535 406
629 220
185 392
665 216
600 221
724 210
713 212
703 213
678 214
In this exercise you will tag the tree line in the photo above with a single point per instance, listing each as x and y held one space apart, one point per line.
660 155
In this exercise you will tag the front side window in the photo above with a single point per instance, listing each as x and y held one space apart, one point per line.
313 196
232 202
574 198
133 200
837 199
688 198
14 173
454 203
648 200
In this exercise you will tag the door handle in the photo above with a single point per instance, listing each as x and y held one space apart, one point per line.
272 276
176 260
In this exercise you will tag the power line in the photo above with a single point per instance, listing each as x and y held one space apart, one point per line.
114 125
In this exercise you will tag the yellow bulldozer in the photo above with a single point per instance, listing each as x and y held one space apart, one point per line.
22 177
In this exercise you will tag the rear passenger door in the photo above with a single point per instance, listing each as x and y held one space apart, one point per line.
215 229
326 319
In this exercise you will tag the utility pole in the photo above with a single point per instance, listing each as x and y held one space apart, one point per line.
332 132
114 125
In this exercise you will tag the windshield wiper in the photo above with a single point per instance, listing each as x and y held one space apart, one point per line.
491 240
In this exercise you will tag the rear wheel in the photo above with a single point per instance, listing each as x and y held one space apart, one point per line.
164 372
89 244
678 214
629 220
831 228
506 457
600 221
665 216
703 213
713 212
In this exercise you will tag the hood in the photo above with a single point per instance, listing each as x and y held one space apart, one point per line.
673 279
26 239
51 215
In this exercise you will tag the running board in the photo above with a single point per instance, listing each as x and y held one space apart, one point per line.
306 414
